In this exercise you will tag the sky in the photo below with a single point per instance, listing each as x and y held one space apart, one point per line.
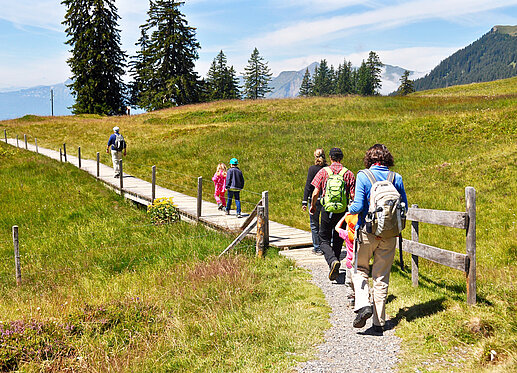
289 34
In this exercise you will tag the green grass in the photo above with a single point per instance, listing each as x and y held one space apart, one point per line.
104 290
442 140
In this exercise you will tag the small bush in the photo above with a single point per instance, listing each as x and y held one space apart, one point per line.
163 211
23 341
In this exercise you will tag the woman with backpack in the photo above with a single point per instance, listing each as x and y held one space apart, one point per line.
314 219
380 222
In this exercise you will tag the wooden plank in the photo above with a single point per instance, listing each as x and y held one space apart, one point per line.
470 201
453 219
435 254
239 238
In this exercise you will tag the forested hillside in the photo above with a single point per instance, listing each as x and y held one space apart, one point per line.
492 57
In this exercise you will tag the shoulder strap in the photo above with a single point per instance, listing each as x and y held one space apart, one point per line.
369 174
343 171
329 170
391 177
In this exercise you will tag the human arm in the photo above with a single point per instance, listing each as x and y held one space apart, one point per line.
399 185
111 141
360 202
307 192
314 200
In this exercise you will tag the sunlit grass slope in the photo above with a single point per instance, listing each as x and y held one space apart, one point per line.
104 290
442 140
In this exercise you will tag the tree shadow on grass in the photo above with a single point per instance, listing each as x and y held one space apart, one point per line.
416 311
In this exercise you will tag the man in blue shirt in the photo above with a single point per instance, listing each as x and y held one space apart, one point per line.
116 154
378 159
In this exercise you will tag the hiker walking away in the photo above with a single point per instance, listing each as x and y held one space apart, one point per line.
314 219
336 184
381 202
234 185
118 146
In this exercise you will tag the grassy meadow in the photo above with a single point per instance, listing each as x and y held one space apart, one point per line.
442 141
105 290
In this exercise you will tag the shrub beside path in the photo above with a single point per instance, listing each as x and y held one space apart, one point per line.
345 349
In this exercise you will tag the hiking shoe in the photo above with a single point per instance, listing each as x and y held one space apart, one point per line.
317 252
219 206
363 314
116 176
227 212
239 215
334 270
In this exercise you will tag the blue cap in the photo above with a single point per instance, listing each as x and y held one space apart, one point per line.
234 161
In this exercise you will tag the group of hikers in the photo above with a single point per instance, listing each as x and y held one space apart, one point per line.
372 207
230 181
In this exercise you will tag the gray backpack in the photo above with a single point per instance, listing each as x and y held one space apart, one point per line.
387 213
120 143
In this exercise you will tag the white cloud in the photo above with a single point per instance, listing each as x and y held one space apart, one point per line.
321 6
384 17
28 73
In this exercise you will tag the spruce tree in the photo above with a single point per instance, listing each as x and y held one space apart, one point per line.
322 80
374 65
256 77
306 87
344 79
165 72
97 63
222 82
364 82
406 84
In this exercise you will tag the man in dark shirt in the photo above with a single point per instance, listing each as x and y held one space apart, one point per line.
116 154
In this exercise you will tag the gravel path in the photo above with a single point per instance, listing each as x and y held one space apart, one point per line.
347 349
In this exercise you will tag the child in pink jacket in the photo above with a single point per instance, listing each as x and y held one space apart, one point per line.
219 180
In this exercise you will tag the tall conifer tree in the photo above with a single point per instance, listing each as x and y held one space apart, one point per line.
164 71
256 77
374 65
222 80
306 87
97 61
406 84
322 84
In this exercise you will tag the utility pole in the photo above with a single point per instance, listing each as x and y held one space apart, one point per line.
52 101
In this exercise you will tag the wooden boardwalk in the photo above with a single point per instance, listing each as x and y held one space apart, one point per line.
140 191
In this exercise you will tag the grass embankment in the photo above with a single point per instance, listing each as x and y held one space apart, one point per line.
104 290
442 141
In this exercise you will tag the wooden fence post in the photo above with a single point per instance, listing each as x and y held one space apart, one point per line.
121 176
265 203
5 135
64 151
199 196
60 155
79 156
17 142
153 185
25 140
414 258
260 247
98 164
17 256
36 143
470 202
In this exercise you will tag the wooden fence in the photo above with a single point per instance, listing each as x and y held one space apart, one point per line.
454 219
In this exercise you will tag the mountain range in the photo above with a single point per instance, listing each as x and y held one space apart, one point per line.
36 100
491 57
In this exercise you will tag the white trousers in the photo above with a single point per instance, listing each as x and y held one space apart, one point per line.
383 252
115 157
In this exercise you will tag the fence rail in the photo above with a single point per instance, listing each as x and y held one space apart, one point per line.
454 219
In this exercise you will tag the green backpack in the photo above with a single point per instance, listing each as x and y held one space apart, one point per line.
335 198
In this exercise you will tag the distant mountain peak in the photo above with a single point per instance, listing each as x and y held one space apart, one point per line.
508 30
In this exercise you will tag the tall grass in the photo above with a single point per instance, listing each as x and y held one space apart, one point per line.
442 140
104 290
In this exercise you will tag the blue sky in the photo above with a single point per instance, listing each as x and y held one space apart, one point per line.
290 34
